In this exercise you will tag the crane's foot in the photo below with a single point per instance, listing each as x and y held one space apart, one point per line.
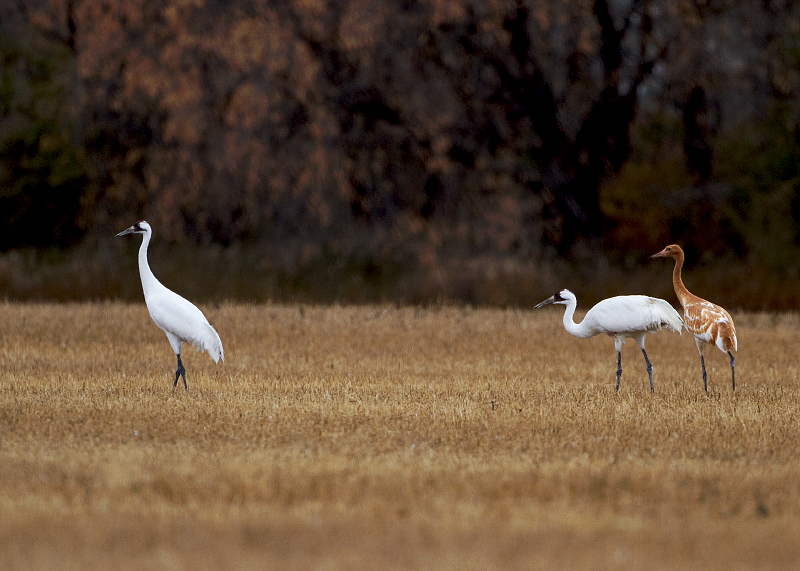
180 372
733 376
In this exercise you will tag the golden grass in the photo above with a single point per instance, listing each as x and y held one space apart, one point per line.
385 438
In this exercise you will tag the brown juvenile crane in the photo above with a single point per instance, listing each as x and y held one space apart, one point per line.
708 322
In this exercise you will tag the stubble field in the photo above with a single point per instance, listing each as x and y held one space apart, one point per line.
391 438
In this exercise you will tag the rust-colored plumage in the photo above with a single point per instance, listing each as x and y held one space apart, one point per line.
708 322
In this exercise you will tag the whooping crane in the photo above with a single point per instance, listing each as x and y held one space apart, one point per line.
620 317
176 316
708 322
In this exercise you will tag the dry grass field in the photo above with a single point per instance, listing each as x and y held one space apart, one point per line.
391 438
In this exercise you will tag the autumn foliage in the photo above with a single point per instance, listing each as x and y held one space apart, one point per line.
369 140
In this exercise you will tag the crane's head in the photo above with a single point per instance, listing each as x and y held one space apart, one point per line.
671 251
563 297
141 227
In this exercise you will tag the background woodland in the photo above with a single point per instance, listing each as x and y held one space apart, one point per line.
485 152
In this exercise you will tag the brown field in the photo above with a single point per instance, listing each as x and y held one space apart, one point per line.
391 438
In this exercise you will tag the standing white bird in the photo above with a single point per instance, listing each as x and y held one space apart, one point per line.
708 322
177 317
620 317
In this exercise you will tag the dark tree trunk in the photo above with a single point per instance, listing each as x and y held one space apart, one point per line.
695 136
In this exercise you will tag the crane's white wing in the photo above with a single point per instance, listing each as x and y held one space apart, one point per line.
179 317
632 313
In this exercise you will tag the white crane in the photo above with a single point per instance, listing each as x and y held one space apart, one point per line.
177 317
620 317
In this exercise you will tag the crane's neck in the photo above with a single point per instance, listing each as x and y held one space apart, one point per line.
149 281
576 329
677 283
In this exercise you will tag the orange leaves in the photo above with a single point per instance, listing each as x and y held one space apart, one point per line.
255 44
448 11
362 25
249 107
187 121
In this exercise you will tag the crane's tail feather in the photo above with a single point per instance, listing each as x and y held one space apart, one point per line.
726 337
208 340
663 315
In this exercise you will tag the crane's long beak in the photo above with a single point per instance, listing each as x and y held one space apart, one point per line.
548 301
661 254
128 231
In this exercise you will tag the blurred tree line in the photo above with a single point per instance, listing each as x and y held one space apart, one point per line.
485 151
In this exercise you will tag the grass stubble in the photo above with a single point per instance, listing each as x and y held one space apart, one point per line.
391 438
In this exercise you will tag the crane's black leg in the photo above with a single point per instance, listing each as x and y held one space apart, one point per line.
180 372
733 364
649 370
619 368
703 364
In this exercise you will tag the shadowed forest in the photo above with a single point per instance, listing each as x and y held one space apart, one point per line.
484 152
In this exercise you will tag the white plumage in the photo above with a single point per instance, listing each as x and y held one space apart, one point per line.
177 317
620 317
